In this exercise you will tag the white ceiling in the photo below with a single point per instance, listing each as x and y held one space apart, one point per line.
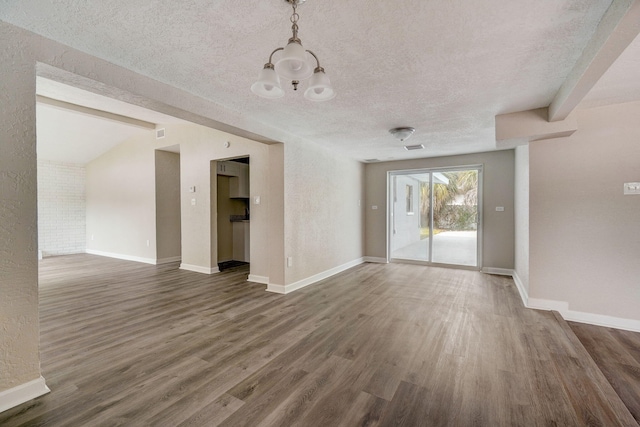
65 135
446 68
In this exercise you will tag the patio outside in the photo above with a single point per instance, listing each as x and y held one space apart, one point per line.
449 247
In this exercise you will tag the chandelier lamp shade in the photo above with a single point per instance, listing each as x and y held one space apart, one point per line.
293 64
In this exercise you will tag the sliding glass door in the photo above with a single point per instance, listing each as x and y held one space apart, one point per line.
434 215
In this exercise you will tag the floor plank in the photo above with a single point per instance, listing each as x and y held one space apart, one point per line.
124 343
617 354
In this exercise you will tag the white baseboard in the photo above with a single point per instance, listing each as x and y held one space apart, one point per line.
199 269
23 393
524 295
121 256
375 259
160 261
280 289
258 279
277 289
498 271
562 307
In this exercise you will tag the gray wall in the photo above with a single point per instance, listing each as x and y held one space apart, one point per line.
167 181
498 190
584 233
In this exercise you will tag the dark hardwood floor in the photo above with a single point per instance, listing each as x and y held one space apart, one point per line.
130 344
617 354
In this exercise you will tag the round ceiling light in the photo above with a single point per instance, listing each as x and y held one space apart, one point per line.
402 133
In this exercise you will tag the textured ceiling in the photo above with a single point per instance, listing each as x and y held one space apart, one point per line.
444 67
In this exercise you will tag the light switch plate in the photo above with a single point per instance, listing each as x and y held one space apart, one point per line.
631 188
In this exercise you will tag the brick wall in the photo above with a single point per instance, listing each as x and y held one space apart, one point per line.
61 208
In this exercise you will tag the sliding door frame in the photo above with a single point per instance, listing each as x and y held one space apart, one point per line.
431 171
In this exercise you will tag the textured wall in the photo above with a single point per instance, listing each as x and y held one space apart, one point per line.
198 147
522 215
121 210
498 190
61 208
168 237
323 226
585 234
19 361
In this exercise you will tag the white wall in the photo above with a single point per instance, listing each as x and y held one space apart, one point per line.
522 217
584 233
323 210
19 360
21 54
61 208
121 203
198 147
498 190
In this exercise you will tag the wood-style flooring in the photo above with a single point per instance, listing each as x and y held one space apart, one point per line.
131 344
617 354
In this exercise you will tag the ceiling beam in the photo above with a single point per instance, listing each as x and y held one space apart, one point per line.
619 26
533 125
95 113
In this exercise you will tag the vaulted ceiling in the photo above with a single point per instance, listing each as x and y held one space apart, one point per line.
446 68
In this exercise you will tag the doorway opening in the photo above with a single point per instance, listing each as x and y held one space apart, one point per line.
233 212
434 216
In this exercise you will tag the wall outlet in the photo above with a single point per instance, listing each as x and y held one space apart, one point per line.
631 188
374 207
193 202
499 208
147 243
289 261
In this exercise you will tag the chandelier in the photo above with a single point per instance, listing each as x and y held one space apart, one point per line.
293 65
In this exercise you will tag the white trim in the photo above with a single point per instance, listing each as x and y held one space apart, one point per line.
602 320
168 260
258 279
521 290
562 307
499 271
548 304
280 289
23 393
199 269
375 259
121 256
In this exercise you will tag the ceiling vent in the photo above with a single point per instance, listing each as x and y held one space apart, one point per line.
414 147
371 160
159 133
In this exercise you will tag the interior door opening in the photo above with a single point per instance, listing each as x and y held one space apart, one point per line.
434 216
